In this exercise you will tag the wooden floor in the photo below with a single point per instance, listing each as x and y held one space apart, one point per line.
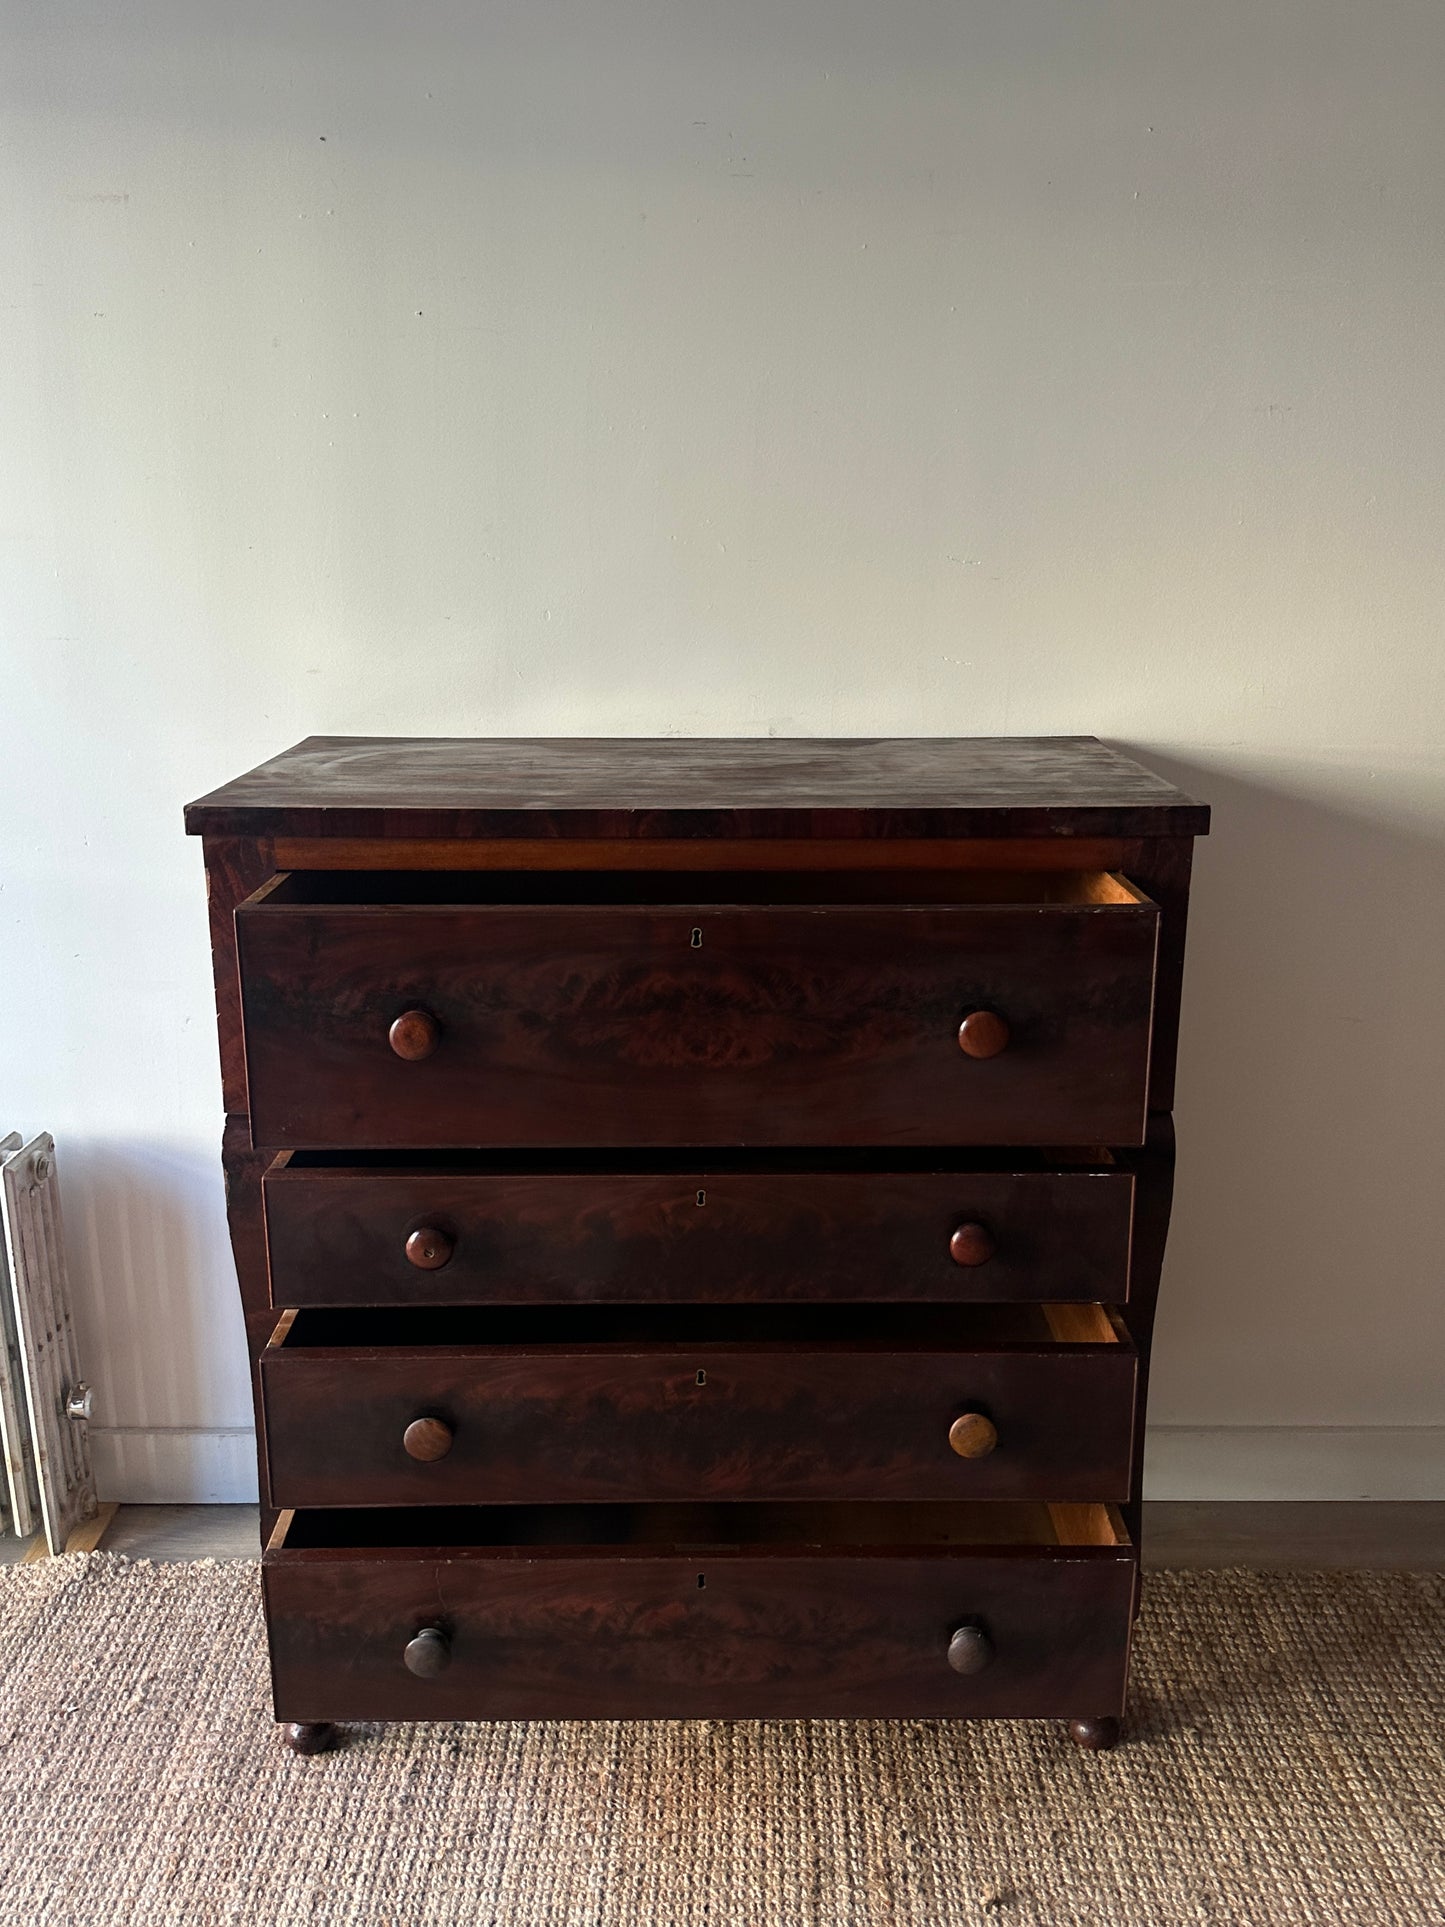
168 1532
1311 1533
1241 1533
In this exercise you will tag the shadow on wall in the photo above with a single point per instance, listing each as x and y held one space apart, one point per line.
157 1318
1304 1269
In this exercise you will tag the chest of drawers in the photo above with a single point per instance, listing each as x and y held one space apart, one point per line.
699 1209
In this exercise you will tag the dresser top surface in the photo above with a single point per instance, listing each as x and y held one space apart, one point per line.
639 787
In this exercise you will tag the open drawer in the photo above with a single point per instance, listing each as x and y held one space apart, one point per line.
688 1612
477 1009
500 1228
471 1407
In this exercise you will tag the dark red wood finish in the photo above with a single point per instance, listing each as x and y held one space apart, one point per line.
869 788
675 1416
235 869
1153 1168
824 1621
243 1167
715 1632
1160 867
643 1026
338 1235
1096 1736
308 1736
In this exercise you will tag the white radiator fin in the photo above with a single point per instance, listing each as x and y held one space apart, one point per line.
20 1500
46 1445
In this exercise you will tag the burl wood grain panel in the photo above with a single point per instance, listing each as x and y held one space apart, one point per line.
707 1635
625 1423
645 1026
339 1236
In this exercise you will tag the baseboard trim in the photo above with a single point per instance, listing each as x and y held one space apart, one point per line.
181 1465
174 1464
1295 1462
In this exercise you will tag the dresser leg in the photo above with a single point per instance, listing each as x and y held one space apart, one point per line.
1095 1736
308 1736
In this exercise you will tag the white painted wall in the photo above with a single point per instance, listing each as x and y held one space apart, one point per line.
1020 365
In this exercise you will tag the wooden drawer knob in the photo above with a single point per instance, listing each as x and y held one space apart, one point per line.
429 1249
428 1653
971 1244
972 1435
427 1439
970 1649
983 1033
415 1035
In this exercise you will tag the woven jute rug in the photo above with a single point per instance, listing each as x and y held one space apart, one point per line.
1284 1765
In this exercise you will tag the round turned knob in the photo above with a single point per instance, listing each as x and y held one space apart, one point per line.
971 1244
414 1035
428 1653
429 1249
972 1436
983 1033
427 1439
970 1649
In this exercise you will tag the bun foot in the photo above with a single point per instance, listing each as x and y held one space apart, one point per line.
1095 1736
308 1736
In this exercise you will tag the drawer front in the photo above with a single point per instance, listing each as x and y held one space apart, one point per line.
357 1237
553 1026
706 1422
697 1637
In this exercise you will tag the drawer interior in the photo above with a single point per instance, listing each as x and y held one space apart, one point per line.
670 1327
402 888
713 1160
716 1529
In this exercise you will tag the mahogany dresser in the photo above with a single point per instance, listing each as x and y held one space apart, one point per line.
699 1210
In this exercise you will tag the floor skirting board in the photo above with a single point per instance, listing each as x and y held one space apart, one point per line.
1295 1462
175 1465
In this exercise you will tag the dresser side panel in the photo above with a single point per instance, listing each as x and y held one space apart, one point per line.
246 1221
235 867
1161 866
